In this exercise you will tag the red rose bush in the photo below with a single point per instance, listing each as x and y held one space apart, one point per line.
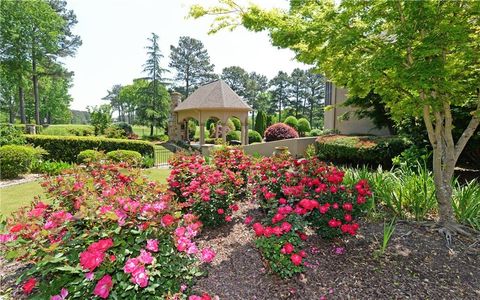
296 194
108 233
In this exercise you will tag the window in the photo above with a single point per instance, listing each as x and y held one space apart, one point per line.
328 93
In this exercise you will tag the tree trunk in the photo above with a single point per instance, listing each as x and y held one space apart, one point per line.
12 110
21 100
253 119
35 88
151 129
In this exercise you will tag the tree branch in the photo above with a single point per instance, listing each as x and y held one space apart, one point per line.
429 125
469 131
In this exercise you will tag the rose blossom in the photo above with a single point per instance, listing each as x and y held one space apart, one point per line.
140 277
152 245
207 255
101 246
167 220
103 287
89 260
63 294
248 220
296 259
29 285
145 257
131 265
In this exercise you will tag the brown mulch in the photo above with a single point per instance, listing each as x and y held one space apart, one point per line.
416 265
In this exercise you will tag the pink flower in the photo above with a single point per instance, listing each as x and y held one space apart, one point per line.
220 211
207 255
63 294
258 228
140 277
228 218
89 276
248 220
145 257
89 260
192 249
103 287
131 265
7 237
286 226
347 206
287 248
152 245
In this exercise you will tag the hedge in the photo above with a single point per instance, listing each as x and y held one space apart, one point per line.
370 150
67 148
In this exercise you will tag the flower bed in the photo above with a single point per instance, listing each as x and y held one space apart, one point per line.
108 233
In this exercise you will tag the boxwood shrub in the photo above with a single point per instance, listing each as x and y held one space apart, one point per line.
369 150
133 158
67 148
17 159
254 137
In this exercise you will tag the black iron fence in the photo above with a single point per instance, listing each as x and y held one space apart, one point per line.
162 155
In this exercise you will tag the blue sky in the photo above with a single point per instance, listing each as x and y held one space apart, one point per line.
115 32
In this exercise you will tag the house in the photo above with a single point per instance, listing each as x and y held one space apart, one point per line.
334 98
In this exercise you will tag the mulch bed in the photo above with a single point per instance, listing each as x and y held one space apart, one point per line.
416 265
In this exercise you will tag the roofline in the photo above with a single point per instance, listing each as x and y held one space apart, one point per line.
214 108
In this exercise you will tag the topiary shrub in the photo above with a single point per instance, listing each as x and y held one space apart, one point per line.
234 135
67 148
17 159
236 122
291 121
254 137
280 131
315 132
261 122
11 135
370 150
132 158
303 126
88 156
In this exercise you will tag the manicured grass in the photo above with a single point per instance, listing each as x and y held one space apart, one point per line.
141 130
16 196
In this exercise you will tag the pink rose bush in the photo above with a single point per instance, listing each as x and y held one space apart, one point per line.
296 194
107 232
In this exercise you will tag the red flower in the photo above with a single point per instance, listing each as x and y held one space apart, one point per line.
16 228
347 218
101 245
167 220
103 287
89 260
29 285
296 259
286 226
347 206
228 218
248 220
220 211
287 248
258 228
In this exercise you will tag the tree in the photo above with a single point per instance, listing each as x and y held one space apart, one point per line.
420 56
191 63
261 122
257 86
100 117
297 90
236 78
315 93
113 95
279 88
157 106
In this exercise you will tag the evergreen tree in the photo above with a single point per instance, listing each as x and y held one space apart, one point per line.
261 122
279 88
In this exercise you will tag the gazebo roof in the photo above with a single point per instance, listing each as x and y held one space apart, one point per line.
214 95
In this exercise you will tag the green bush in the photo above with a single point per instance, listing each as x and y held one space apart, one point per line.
303 126
370 150
132 158
50 167
291 121
234 135
68 129
87 156
315 132
11 135
17 159
127 128
261 122
236 122
67 148
155 137
254 137
115 133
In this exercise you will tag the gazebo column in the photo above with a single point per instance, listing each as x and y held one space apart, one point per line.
224 135
242 134
202 134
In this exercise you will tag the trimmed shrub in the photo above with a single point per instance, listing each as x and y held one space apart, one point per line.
236 122
50 167
234 135
127 128
315 132
254 137
115 133
303 126
87 156
132 158
280 131
68 129
67 148
17 159
261 122
371 150
291 121
11 135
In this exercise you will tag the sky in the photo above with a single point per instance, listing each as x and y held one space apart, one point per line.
114 35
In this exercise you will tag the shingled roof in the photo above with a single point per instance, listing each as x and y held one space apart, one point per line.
214 95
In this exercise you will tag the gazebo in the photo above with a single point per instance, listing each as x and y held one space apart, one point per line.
212 100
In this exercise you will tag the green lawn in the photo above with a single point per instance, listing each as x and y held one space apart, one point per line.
16 196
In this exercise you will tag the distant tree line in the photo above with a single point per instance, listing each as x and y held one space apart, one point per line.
146 101
34 84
